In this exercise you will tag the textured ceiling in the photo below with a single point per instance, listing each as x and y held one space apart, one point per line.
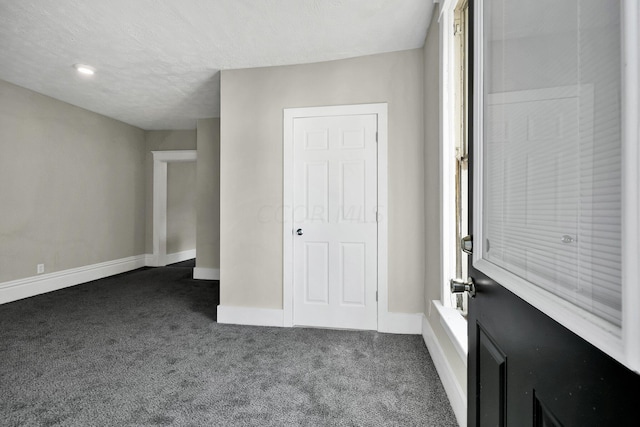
158 61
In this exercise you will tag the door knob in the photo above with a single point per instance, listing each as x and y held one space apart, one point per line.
299 232
460 285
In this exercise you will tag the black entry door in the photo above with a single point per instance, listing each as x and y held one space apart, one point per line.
525 369
549 103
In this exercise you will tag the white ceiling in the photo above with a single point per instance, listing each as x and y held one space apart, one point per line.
158 61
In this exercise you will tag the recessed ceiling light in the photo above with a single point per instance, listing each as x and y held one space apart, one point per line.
85 69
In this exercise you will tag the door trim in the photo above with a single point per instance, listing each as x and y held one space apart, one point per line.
160 160
620 343
289 114
631 183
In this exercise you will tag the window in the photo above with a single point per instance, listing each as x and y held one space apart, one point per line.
455 24
556 162
460 31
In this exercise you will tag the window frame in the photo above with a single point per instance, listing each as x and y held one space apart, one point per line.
448 132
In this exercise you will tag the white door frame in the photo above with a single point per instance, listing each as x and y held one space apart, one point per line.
287 207
160 160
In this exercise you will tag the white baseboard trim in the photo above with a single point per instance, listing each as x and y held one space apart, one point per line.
206 273
455 326
250 316
400 323
150 260
35 285
455 393
180 256
394 323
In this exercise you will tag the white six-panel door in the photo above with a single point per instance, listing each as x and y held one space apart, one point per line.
334 218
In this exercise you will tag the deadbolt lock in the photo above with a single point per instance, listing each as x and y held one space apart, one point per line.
466 244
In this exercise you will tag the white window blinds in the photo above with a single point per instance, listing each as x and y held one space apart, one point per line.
552 147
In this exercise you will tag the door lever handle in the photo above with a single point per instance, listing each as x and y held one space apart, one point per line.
460 285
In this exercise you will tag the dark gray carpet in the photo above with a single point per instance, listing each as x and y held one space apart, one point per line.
142 349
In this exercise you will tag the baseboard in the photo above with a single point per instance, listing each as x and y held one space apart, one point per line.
394 323
250 316
400 323
206 273
180 256
455 326
455 393
150 260
35 285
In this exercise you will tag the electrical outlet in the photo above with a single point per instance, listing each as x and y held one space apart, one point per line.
40 268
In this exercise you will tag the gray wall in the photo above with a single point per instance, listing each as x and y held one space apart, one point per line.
181 190
432 184
71 186
252 102
181 207
208 198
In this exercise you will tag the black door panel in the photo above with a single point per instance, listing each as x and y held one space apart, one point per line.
552 376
